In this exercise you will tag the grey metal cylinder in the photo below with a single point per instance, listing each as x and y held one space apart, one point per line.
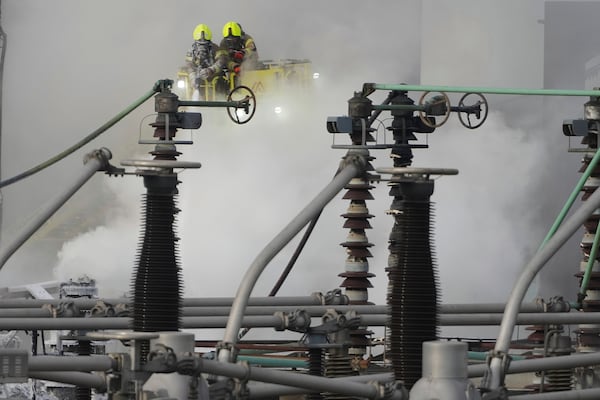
444 373
174 384
445 360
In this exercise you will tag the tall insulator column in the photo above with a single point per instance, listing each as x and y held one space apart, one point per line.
562 379
316 367
588 338
356 273
156 284
84 348
338 361
413 285
357 245
338 366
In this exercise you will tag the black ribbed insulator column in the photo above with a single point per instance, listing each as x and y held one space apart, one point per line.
156 283
412 292
84 348
316 368
338 365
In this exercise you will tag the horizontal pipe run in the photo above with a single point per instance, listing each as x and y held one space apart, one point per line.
313 311
71 363
294 379
274 362
484 90
26 312
317 311
272 321
258 321
566 318
192 103
270 390
582 394
191 302
465 308
81 379
541 364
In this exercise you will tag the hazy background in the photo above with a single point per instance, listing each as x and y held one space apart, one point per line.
70 66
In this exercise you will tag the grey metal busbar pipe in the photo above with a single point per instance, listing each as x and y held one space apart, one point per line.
82 379
277 321
582 394
541 364
71 363
354 164
570 226
93 162
311 382
271 390
314 299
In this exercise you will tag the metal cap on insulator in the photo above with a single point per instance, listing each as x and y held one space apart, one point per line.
401 98
166 102
359 106
416 190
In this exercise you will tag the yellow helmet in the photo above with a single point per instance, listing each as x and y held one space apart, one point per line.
202 31
232 29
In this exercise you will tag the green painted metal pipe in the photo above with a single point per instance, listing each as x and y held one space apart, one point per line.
200 103
399 107
486 90
572 197
483 355
588 268
563 214
565 210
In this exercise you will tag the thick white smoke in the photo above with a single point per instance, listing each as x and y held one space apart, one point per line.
71 66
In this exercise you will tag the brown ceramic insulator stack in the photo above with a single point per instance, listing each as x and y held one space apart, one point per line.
356 275
536 337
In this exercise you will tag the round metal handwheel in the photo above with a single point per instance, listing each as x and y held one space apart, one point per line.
479 109
246 107
435 102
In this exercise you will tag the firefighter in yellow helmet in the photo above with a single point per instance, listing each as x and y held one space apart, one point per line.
202 53
251 54
236 49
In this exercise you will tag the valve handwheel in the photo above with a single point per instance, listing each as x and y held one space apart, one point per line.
480 115
441 100
246 108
